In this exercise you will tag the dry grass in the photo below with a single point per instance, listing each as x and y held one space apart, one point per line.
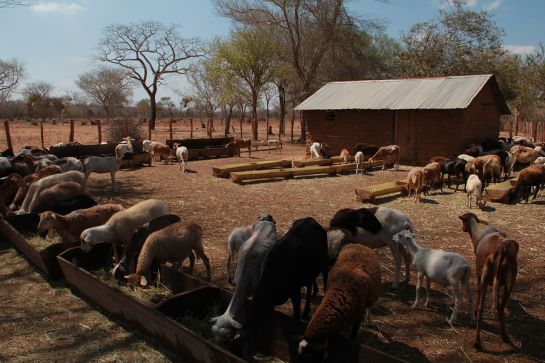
219 205
42 243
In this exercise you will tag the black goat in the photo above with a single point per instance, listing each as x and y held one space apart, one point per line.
349 219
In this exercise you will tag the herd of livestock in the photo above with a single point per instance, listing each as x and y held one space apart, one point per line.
271 268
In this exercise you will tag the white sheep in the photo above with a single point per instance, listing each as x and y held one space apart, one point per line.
69 163
474 189
251 263
540 160
392 221
122 225
173 243
37 187
70 226
123 147
443 268
101 164
182 155
236 239
316 151
467 158
359 162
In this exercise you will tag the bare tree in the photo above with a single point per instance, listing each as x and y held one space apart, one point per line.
148 51
11 73
38 99
110 88
205 91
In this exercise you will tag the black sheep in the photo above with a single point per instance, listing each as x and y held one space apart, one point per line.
349 219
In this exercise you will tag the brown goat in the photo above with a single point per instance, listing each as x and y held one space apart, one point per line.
29 179
345 155
159 149
432 175
8 186
532 176
389 154
240 144
415 181
523 154
496 262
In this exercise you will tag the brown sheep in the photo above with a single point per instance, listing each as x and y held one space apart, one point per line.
29 179
523 154
159 149
432 175
389 154
416 182
491 171
8 185
496 262
57 193
241 144
354 286
70 226
345 155
174 243
532 176
478 163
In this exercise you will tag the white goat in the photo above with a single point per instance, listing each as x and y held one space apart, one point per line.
467 158
124 147
316 151
251 263
100 164
474 189
236 239
443 268
392 221
359 162
182 155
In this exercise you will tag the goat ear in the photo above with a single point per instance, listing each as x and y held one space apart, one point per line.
143 281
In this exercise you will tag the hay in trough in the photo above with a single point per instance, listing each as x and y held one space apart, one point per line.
42 243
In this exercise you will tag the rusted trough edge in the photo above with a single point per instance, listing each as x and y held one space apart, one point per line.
188 344
44 260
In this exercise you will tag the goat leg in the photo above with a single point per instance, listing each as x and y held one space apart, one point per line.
306 311
296 303
428 288
482 295
191 262
394 247
418 287
457 299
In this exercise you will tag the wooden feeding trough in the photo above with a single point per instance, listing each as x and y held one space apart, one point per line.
369 193
499 192
225 170
193 297
44 259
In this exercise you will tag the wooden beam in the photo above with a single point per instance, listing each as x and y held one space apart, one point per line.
8 135
71 136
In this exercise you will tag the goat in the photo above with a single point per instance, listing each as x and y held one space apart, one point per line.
523 155
532 176
359 162
416 182
100 164
432 175
474 189
444 268
8 186
388 153
239 144
496 263
345 155
374 228
182 155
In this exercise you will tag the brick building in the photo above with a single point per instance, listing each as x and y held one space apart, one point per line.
426 117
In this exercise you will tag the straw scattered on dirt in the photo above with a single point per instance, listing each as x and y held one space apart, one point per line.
41 243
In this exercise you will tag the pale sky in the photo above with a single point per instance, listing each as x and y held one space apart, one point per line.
56 39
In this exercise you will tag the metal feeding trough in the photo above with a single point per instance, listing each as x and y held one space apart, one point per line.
12 227
192 297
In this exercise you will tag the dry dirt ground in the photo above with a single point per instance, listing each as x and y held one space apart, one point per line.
46 322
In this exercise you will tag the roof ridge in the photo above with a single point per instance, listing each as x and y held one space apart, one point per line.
412 78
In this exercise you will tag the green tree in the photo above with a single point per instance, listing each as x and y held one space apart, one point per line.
38 99
247 54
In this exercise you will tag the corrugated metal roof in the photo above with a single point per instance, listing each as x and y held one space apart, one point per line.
454 92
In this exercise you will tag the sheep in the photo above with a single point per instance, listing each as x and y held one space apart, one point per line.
432 175
532 176
70 226
416 182
295 261
474 189
388 153
316 151
5 166
147 145
540 160
160 149
239 144
251 263
354 287
124 147
359 162
173 243
439 159
29 179
237 237
37 187
345 155
101 164
474 150
523 154
467 158
182 155
337 238
118 230
134 246
8 186
454 167
491 171
56 193
69 163
496 263
23 164
375 228
81 201
444 268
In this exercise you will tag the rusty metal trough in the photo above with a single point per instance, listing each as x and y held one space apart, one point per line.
192 296
44 259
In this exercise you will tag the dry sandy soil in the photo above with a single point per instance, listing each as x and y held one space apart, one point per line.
46 322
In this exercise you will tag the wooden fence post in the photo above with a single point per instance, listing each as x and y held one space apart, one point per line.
516 121
99 126
42 132
8 135
170 129
191 128
240 119
125 127
71 137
